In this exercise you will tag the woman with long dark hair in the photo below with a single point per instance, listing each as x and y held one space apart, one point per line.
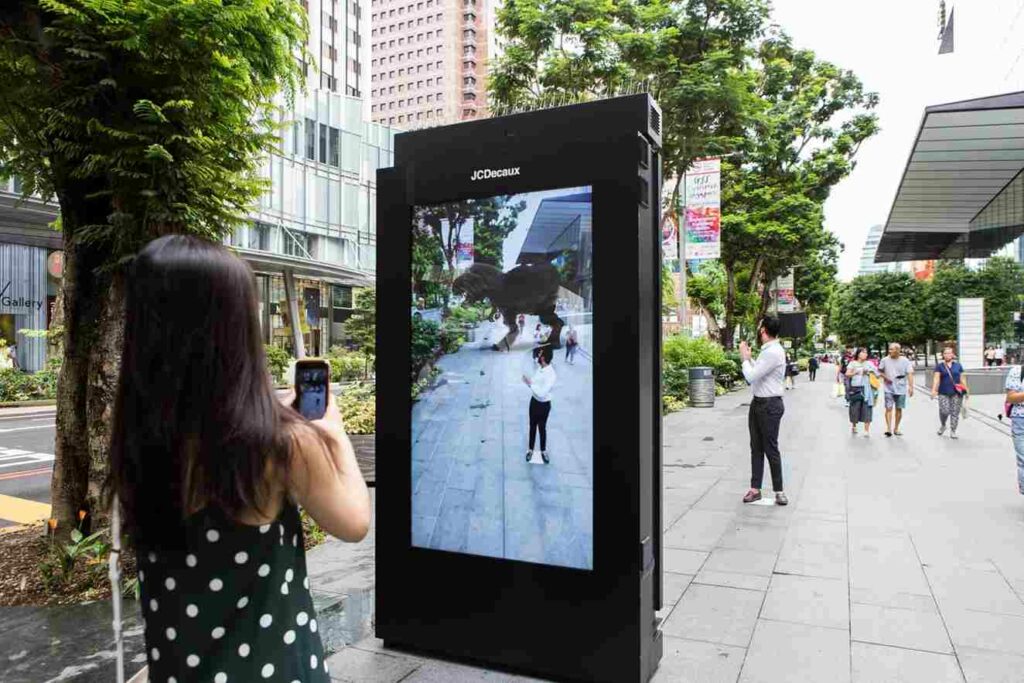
208 467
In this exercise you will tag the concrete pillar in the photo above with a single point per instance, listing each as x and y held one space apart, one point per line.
293 314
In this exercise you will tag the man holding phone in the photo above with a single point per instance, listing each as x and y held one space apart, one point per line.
766 377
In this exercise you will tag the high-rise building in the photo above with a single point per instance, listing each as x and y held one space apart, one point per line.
867 255
428 60
313 233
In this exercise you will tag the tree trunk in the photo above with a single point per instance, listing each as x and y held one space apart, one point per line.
93 329
730 306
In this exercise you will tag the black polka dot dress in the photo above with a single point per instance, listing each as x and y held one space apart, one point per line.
233 606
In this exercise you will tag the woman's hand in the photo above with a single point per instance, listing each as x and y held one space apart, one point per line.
526 380
332 422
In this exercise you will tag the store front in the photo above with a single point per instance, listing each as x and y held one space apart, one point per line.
27 295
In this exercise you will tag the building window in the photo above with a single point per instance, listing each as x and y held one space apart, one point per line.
298 244
468 97
334 146
259 236
310 139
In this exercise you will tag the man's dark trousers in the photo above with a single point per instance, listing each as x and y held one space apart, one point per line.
763 420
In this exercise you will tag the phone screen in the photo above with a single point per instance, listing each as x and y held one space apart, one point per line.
311 390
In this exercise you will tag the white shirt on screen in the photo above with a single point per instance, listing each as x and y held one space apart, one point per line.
767 374
542 383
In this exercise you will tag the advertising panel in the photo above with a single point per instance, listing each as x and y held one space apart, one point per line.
502 426
703 210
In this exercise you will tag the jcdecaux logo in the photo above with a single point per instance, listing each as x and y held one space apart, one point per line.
487 173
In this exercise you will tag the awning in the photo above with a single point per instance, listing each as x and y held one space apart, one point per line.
268 263
556 227
962 192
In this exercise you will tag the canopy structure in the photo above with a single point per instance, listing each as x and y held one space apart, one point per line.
557 226
962 192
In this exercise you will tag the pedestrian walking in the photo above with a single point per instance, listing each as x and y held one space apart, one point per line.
1015 411
538 334
844 364
990 356
571 342
1000 356
949 386
521 323
792 370
898 378
766 377
862 390
812 368
541 384
208 468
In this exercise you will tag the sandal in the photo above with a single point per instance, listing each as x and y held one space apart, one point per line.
752 496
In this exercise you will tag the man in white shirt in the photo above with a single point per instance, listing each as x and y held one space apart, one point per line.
766 377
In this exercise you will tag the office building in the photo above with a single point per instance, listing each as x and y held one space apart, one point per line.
429 60
867 255
312 236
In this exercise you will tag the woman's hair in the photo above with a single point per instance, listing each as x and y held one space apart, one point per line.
950 348
196 421
856 355
546 353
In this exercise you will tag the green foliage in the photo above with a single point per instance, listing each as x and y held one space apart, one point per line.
311 531
144 117
347 366
422 384
876 309
680 353
358 406
1000 282
92 550
277 362
16 385
361 327
426 340
668 291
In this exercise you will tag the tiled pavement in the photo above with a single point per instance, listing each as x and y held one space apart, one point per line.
474 492
898 559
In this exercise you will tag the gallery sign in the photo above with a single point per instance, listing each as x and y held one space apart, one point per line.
14 300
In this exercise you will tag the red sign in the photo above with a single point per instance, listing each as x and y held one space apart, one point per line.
55 264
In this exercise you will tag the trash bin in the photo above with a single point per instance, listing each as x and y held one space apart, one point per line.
702 387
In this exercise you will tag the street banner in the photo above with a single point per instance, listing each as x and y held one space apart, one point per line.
670 242
785 294
704 210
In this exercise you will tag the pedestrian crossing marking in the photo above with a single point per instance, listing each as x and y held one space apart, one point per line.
23 511
13 457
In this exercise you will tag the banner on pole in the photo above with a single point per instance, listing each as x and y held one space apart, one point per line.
704 210
785 294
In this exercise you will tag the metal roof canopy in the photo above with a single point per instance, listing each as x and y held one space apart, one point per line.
959 195
269 263
547 234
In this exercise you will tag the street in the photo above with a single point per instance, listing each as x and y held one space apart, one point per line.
26 464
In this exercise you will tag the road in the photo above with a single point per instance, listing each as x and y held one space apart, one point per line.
26 464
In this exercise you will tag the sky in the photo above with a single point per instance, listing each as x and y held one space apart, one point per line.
892 46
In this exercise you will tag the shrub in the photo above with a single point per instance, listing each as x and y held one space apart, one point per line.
277 362
347 366
680 353
359 408
16 385
426 340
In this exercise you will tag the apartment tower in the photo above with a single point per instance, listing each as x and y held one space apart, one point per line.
428 60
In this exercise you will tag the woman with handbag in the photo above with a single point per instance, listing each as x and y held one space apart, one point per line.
864 382
949 386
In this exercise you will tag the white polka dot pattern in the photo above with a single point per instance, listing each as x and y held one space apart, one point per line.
217 633
169 583
212 535
264 570
268 670
171 633
312 661
216 585
241 557
243 650
220 678
289 637
154 654
190 560
242 602
266 620
192 611
301 618
289 575
153 605
312 625
284 589
192 661
264 528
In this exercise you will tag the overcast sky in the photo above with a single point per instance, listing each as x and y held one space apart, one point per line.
892 46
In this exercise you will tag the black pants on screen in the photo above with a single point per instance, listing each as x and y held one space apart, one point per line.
763 421
539 411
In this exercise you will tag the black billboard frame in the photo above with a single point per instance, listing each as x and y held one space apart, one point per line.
556 622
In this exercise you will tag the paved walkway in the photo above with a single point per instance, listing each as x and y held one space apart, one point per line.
474 492
898 559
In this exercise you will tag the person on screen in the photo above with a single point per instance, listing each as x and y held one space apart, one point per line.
541 384
538 334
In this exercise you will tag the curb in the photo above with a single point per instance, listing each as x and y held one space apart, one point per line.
28 404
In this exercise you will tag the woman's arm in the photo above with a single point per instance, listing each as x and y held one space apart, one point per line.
963 379
935 384
324 478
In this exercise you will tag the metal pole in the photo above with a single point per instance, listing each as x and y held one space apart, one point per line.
293 313
684 318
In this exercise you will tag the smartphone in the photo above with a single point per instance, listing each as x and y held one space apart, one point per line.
312 382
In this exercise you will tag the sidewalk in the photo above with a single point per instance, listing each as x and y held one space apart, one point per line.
897 560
